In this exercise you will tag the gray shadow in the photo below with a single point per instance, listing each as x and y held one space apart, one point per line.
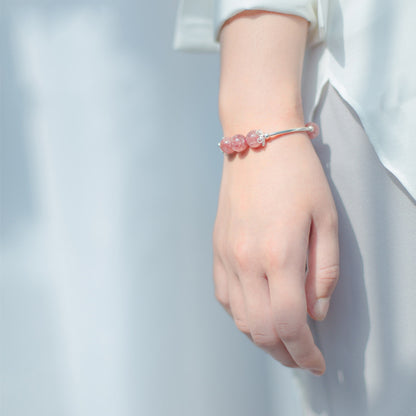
343 335
17 204
381 211
382 226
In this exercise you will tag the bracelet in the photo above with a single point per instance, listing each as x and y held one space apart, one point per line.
256 138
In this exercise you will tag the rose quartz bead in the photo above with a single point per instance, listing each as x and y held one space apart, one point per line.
315 132
238 143
225 145
251 139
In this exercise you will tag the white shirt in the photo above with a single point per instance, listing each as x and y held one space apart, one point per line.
364 48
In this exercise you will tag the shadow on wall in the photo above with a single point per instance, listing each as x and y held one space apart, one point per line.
343 343
17 198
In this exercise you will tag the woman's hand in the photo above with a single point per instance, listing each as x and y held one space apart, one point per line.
275 210
275 207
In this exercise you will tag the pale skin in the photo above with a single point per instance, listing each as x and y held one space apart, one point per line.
276 212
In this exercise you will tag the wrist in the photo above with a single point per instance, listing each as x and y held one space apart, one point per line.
261 67
241 121
268 112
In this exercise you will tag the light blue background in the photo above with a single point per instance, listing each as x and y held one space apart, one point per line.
109 178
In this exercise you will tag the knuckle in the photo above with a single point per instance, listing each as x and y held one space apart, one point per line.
218 247
330 220
242 326
264 340
305 360
277 255
289 332
328 276
241 251
222 298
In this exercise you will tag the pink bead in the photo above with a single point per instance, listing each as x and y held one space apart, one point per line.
251 139
315 132
238 143
225 145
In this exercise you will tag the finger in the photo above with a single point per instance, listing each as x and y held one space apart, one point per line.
288 303
259 317
323 267
237 305
221 284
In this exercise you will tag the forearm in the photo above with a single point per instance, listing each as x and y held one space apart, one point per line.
261 70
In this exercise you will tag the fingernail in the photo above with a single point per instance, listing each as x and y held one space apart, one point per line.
316 372
321 308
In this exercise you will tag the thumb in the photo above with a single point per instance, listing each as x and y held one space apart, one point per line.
323 267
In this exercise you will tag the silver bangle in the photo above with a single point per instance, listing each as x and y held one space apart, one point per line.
256 138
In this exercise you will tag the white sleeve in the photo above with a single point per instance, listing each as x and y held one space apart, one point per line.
198 22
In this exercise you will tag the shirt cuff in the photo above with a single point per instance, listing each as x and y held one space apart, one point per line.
194 26
314 11
199 22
